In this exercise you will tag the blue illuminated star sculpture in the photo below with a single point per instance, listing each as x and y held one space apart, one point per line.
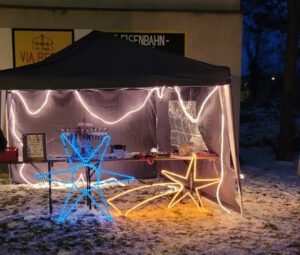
85 162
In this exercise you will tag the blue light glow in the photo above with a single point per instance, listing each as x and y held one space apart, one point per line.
85 161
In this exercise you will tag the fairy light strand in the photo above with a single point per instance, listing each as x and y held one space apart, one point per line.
83 103
26 105
191 118
14 125
222 167
37 111
159 93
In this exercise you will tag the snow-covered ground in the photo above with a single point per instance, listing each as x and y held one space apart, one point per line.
270 226
260 124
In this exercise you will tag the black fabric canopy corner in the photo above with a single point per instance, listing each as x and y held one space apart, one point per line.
99 60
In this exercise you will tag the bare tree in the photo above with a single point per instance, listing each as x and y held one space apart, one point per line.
288 101
264 35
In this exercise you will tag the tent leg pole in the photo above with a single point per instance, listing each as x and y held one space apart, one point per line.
233 144
50 188
87 184
9 174
241 195
90 201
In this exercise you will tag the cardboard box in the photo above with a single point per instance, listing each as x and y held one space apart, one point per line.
9 155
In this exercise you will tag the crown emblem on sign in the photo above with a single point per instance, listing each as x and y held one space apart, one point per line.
42 42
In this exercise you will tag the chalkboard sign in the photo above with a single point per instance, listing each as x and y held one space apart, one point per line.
34 149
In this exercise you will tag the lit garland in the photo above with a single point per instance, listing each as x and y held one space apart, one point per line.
84 162
177 198
159 93
37 185
85 106
23 177
80 181
222 166
14 125
26 106
191 118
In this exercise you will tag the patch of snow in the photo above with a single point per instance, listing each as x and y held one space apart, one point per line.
270 226
271 196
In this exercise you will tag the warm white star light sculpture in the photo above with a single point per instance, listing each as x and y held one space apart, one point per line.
198 183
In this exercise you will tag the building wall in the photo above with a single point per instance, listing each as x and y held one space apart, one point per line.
128 4
212 37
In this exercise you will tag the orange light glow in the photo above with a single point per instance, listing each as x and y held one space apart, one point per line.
178 191
168 192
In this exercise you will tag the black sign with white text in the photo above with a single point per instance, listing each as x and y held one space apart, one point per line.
169 42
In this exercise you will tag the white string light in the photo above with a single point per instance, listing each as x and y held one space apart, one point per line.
65 185
22 176
14 125
28 111
222 167
26 105
80 178
159 93
191 118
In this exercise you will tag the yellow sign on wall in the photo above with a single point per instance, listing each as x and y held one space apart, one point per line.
31 46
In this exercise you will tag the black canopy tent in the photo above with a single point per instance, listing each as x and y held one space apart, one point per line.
99 61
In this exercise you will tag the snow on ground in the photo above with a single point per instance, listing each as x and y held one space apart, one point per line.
271 195
260 124
270 226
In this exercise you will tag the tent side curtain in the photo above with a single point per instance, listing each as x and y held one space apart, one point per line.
157 117
209 125
226 94
102 61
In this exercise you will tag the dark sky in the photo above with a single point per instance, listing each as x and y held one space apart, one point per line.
269 18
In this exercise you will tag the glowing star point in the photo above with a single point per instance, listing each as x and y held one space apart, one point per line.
85 162
198 183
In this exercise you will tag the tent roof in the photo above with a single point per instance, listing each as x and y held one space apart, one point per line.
99 60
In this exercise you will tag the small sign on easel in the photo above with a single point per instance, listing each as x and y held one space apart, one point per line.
34 149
